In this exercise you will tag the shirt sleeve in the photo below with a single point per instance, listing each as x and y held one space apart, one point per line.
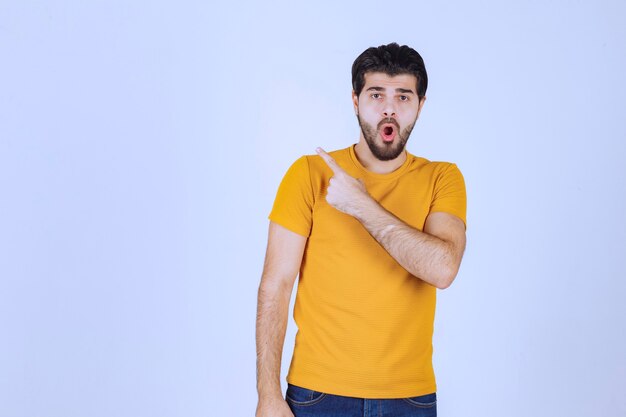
293 205
449 195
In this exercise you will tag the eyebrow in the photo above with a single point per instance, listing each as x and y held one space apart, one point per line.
398 90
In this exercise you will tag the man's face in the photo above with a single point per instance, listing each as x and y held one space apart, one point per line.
387 110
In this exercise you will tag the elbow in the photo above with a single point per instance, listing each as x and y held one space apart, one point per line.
442 285
446 277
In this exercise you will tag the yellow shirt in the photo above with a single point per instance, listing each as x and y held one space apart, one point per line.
365 324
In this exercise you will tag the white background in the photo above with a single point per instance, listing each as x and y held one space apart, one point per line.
142 143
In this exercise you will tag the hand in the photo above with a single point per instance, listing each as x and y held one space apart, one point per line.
345 193
273 407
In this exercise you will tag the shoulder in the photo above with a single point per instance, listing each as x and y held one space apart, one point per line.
318 166
425 165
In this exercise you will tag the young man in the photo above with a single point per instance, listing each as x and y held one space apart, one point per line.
373 231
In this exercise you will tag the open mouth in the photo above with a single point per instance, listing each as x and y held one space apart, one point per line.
388 133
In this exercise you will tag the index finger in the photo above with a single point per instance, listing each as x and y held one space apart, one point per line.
334 166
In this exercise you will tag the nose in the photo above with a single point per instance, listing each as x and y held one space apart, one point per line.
389 109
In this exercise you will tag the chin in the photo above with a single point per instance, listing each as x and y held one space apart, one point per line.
386 152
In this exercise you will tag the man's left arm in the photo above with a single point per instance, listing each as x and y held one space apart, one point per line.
433 255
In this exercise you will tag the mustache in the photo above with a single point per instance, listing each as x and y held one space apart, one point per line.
390 121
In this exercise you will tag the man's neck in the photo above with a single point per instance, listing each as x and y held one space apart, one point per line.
375 165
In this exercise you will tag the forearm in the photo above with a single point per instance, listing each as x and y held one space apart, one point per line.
271 325
424 256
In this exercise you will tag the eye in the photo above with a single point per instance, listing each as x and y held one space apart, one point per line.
404 98
376 96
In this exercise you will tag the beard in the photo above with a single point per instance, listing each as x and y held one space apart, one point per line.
386 151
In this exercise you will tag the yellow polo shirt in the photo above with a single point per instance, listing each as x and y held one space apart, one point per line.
365 324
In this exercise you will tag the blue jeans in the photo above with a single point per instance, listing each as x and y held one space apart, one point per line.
308 403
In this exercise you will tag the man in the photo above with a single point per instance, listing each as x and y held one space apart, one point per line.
373 231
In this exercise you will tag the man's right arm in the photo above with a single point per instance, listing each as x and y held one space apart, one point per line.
282 263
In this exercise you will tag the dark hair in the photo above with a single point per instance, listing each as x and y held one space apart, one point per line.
391 59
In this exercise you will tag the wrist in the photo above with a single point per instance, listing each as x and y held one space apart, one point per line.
365 207
270 394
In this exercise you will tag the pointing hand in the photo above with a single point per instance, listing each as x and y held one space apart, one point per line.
345 193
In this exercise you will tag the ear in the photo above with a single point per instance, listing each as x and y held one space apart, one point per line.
355 102
419 108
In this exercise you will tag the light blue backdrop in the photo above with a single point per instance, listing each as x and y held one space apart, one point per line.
141 145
